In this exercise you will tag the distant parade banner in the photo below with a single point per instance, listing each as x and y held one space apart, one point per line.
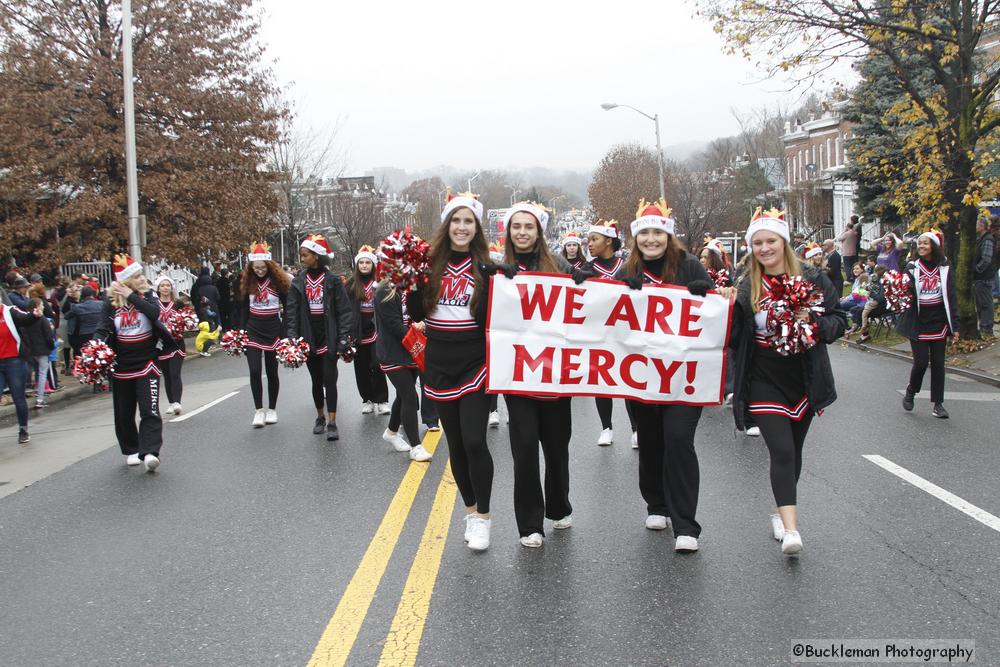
549 336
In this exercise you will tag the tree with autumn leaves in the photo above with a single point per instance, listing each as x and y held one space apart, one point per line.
207 111
947 104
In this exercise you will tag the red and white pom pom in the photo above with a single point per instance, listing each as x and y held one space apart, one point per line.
720 278
292 352
898 296
182 321
403 260
234 342
94 364
789 296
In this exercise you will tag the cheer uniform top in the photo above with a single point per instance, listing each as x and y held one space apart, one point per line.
366 333
136 333
932 320
262 314
577 263
607 268
176 348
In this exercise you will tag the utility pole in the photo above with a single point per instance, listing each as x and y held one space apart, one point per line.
131 178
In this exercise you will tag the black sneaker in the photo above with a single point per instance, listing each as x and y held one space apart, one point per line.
939 411
319 425
331 432
23 437
908 401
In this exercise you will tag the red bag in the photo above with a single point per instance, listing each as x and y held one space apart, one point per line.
415 342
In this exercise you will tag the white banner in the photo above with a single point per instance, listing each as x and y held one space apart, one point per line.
549 336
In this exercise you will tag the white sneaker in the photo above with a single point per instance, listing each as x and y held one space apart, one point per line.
533 541
271 416
563 523
754 431
384 409
657 522
151 463
132 460
468 526
418 453
606 438
729 399
396 440
791 543
367 408
479 533
258 419
169 410
777 527
494 421
176 407
635 440
685 544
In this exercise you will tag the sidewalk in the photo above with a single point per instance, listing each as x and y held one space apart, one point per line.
981 366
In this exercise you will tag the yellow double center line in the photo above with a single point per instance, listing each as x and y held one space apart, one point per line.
403 642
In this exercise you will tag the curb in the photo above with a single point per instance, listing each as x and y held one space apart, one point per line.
984 378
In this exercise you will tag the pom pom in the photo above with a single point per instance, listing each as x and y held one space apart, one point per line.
790 295
898 296
95 363
720 278
181 321
404 260
349 354
292 352
234 342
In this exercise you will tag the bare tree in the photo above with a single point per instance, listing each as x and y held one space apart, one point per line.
626 174
359 219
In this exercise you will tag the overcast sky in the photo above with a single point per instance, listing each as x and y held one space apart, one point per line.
506 84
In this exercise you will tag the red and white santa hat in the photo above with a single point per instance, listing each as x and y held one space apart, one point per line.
463 200
497 251
318 244
655 215
813 249
366 252
125 267
536 210
572 237
259 252
935 236
771 221
607 228
715 245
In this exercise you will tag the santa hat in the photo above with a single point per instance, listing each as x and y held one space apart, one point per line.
164 279
935 236
463 200
715 246
572 237
813 249
655 215
771 221
318 244
125 267
366 252
535 210
259 252
496 251
607 228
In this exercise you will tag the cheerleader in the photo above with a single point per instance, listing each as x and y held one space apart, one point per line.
171 358
605 243
572 250
814 255
452 306
930 319
131 327
668 463
318 311
264 286
361 291
537 419
715 259
393 323
782 393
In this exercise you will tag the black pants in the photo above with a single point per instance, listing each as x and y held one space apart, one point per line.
77 341
925 352
428 408
982 292
464 424
668 464
784 438
494 402
605 408
370 378
270 364
323 371
549 422
172 383
143 393
404 407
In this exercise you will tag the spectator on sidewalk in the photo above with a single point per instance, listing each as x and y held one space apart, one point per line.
876 304
223 284
834 263
983 273
207 300
848 241
40 341
799 243
13 354
890 251
56 299
19 296
995 231
84 314
855 302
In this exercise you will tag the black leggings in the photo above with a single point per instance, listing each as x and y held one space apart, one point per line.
464 423
323 371
172 383
126 396
404 408
551 423
925 352
784 439
605 408
668 464
369 376
270 363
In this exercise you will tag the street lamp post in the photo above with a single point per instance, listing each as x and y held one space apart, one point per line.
608 106
131 179
513 193
472 179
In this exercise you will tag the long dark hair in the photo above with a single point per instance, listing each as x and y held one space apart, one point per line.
579 252
439 254
546 263
715 260
635 264
278 277
937 255
356 284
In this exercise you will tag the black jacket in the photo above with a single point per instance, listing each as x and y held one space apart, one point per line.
816 369
389 320
336 309
834 270
689 271
82 317
906 322
359 328
985 267
39 337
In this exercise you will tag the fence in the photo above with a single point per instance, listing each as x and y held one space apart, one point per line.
99 271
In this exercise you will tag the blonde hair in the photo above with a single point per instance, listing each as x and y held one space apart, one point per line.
792 267
118 301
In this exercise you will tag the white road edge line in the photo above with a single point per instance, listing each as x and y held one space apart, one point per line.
980 515
203 408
